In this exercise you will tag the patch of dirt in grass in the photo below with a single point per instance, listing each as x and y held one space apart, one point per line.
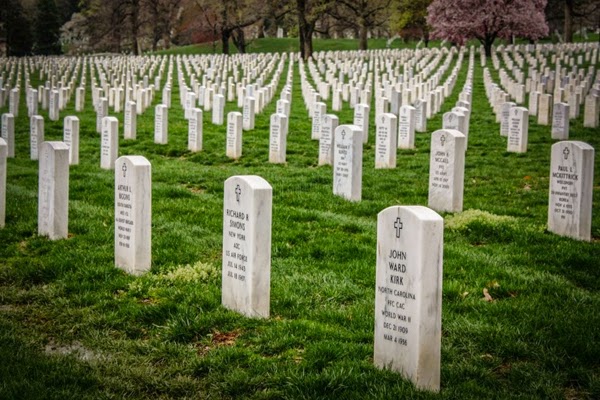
574 394
220 339
196 189
75 349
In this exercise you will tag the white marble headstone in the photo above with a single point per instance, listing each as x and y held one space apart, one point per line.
133 214
421 116
195 130
53 112
278 138
329 124
571 189
101 112
560 121
361 119
544 109
408 294
386 137
71 138
161 124
53 190
504 118
36 135
518 130
79 99
218 109
406 127
8 133
248 112
591 113
246 271
234 134
130 123
347 162
446 170
319 109
110 142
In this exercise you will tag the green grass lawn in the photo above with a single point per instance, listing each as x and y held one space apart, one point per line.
72 326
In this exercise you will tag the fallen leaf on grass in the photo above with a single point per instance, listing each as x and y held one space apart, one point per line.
464 294
486 296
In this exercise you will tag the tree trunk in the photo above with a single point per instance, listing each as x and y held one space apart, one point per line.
260 27
239 40
362 33
487 45
225 34
568 21
308 46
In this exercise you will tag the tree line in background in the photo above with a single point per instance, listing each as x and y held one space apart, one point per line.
135 26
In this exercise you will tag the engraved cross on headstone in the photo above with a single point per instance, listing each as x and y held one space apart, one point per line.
566 152
124 169
398 226
443 140
344 134
238 193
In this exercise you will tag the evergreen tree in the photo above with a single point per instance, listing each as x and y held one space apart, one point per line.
47 28
15 29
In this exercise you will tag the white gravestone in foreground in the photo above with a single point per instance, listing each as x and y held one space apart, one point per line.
71 138
408 294
234 135
133 214
3 156
571 188
8 133
36 135
278 138
386 137
246 270
518 130
110 142
329 124
53 190
446 170
347 162
195 129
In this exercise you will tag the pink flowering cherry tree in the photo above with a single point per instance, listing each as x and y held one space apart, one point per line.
486 20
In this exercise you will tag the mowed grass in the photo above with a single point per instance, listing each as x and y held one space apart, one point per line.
74 326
